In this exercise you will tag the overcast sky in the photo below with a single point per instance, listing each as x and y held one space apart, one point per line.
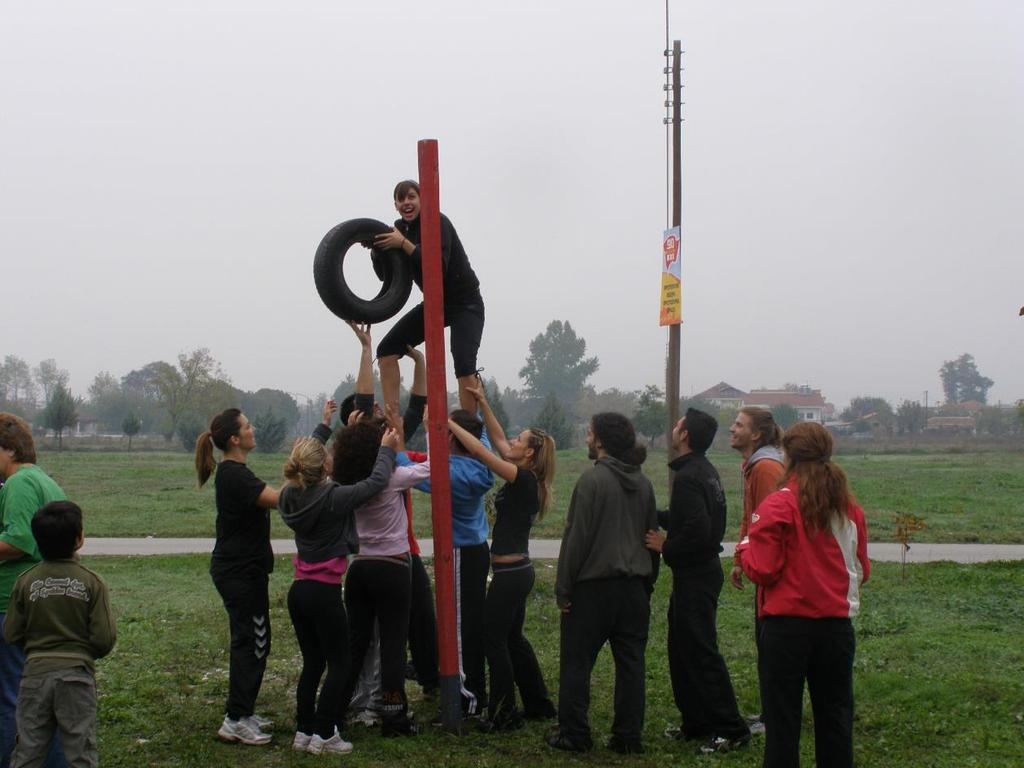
853 211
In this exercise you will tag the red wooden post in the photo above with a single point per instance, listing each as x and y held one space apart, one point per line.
437 433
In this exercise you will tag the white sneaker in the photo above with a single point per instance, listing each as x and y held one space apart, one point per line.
332 746
243 730
264 723
301 741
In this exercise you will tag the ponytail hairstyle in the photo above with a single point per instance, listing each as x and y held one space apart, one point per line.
618 437
542 464
305 465
223 427
764 426
824 492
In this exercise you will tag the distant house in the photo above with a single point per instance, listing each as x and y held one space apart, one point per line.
723 395
954 424
809 403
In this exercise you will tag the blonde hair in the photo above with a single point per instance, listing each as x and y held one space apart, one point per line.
542 465
305 465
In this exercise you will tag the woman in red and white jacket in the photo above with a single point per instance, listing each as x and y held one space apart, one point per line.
807 548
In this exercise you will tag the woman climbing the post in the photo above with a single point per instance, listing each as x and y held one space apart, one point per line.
463 304
527 464
321 512
240 566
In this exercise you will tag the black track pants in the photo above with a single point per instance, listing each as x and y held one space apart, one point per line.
379 589
248 606
510 657
700 679
821 652
617 611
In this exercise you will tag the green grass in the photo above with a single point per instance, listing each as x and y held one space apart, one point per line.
937 676
963 497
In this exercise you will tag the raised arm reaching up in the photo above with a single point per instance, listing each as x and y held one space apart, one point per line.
494 430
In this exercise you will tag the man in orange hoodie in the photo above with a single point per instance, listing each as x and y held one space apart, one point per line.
758 438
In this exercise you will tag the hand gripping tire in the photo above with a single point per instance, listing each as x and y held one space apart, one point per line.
392 267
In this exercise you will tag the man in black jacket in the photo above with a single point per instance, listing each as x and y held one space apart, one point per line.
696 524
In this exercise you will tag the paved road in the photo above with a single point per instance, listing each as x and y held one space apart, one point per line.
548 549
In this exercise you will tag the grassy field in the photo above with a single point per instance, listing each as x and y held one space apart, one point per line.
938 676
963 497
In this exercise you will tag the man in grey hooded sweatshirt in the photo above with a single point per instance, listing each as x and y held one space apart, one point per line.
605 579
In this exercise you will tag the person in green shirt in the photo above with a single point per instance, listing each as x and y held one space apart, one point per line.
25 489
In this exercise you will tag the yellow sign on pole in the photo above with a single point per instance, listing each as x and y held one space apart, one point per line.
671 278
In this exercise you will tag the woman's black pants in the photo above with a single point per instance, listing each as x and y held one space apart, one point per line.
820 651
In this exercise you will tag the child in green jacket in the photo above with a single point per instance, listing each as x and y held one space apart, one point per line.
60 614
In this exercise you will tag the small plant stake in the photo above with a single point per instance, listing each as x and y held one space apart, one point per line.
906 526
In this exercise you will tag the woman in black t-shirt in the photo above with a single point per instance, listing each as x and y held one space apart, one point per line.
527 464
463 305
240 566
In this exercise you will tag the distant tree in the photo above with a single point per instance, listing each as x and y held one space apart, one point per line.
283 405
188 429
49 375
726 416
872 411
345 388
651 415
996 421
910 417
685 403
107 401
554 420
557 364
61 412
16 382
612 399
131 426
179 389
785 415
961 381
271 430
496 403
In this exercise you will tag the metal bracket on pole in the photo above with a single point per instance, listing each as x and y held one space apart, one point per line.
437 435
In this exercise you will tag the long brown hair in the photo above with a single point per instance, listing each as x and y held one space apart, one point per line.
542 464
223 427
824 492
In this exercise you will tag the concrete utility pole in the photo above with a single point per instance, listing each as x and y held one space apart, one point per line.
674 331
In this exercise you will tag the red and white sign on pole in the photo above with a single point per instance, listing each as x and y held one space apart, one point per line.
672 277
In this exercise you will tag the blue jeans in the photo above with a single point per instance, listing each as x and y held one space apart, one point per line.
12 663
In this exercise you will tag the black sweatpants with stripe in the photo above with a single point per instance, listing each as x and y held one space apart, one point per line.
247 602
471 566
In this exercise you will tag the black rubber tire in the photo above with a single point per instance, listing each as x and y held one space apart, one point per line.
391 266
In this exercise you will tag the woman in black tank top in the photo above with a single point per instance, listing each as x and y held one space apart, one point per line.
527 464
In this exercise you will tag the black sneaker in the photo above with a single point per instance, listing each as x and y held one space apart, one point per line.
559 740
510 722
721 744
625 746
404 726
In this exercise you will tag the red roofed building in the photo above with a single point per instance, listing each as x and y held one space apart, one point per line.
723 395
809 403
